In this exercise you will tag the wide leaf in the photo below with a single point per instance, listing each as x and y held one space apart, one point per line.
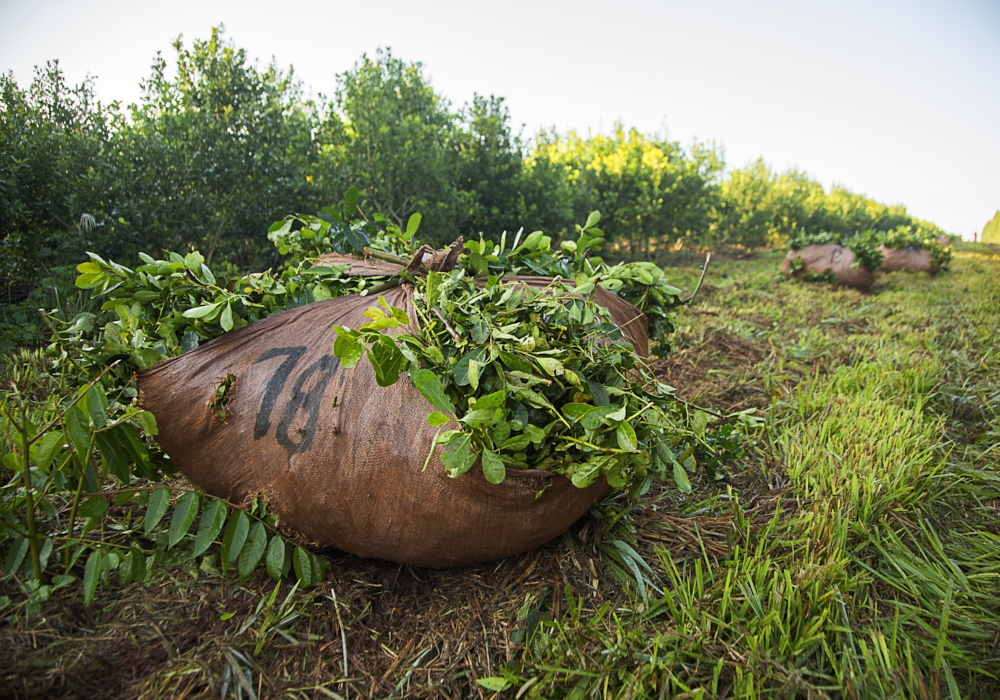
212 521
185 512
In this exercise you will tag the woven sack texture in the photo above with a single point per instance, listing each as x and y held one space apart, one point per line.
827 258
341 459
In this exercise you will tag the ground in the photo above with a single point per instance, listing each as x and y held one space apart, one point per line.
852 551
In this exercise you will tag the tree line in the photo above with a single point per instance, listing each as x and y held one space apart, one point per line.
215 152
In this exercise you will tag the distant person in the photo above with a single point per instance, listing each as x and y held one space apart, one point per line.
974 234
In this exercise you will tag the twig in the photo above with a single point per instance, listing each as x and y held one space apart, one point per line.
387 257
447 326
58 418
702 408
343 637
708 258
378 288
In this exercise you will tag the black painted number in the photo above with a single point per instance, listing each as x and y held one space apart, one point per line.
310 401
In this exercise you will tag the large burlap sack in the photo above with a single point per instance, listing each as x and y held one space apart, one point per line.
829 258
909 259
341 459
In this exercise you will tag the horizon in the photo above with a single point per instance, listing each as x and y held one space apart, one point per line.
857 107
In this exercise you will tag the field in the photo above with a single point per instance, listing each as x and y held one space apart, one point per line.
853 550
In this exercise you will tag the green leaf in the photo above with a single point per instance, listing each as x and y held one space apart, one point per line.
184 514
494 683
494 400
387 362
437 419
275 560
93 507
235 537
626 437
351 203
114 455
347 347
430 388
576 411
587 473
493 468
551 365
615 416
482 417
16 555
210 526
91 575
78 429
127 437
412 224
136 569
518 443
459 456
148 422
51 443
461 372
226 320
202 311
253 551
303 567
593 219
156 509
97 406
681 478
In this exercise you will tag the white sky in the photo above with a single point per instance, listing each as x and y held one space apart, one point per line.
896 100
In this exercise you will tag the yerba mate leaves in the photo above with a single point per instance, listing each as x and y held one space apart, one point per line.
538 379
224 535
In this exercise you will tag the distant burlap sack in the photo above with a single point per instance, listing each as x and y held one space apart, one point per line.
908 259
341 459
829 258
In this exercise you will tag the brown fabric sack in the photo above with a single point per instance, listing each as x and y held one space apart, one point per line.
340 458
829 258
907 259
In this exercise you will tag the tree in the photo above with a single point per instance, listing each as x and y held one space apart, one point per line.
991 231
650 191
215 154
749 209
489 169
399 142
55 144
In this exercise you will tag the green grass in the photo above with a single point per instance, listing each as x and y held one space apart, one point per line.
877 575
853 551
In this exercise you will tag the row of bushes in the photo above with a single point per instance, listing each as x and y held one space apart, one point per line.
213 153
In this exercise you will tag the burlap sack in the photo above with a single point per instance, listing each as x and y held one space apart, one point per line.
829 258
341 459
907 259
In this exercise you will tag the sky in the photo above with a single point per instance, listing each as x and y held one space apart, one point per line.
896 100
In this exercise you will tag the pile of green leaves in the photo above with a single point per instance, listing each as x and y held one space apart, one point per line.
908 237
166 307
535 379
572 395
864 245
76 508
643 284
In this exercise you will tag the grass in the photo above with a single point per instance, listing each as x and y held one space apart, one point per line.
853 551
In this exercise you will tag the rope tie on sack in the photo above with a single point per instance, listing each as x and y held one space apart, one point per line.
425 259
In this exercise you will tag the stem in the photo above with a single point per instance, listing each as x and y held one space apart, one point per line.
75 401
387 257
447 326
592 446
29 501
79 490
708 258
72 515
382 287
